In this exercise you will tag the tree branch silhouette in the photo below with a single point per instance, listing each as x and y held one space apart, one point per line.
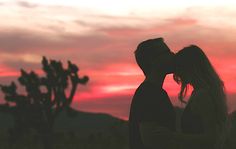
44 100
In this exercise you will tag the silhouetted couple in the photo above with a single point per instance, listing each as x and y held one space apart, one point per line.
152 118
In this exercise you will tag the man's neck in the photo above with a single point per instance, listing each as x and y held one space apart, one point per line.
157 80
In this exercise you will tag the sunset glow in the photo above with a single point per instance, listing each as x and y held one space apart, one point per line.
101 36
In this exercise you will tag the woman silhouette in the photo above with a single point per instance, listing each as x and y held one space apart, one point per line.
204 118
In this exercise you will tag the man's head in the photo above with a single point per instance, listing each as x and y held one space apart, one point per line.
154 55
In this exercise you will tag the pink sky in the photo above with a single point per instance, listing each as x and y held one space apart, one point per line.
100 37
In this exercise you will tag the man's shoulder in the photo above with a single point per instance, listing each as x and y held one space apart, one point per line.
143 96
147 88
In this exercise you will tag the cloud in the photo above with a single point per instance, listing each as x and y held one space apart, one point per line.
17 65
106 21
26 4
177 31
182 21
93 51
116 43
20 40
108 46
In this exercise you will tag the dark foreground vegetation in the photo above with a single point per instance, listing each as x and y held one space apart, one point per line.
86 131
82 131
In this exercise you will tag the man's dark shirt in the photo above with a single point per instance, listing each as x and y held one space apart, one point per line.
149 104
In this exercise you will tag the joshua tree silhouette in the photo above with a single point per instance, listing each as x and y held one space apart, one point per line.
45 97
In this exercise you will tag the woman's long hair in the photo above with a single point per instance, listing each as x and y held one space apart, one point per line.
194 68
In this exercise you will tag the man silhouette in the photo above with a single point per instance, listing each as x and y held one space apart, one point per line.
152 115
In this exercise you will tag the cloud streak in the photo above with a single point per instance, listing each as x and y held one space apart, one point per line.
26 4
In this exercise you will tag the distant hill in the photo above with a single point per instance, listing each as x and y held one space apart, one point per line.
86 123
76 129
75 121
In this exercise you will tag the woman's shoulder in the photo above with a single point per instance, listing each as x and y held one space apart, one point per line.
201 100
202 95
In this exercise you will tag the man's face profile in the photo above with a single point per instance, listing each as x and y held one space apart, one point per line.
164 62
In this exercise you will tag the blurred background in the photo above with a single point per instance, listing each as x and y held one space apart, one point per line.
101 36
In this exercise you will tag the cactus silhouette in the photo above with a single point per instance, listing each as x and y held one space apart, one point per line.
45 97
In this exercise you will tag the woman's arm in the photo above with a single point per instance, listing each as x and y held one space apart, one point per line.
154 136
203 106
